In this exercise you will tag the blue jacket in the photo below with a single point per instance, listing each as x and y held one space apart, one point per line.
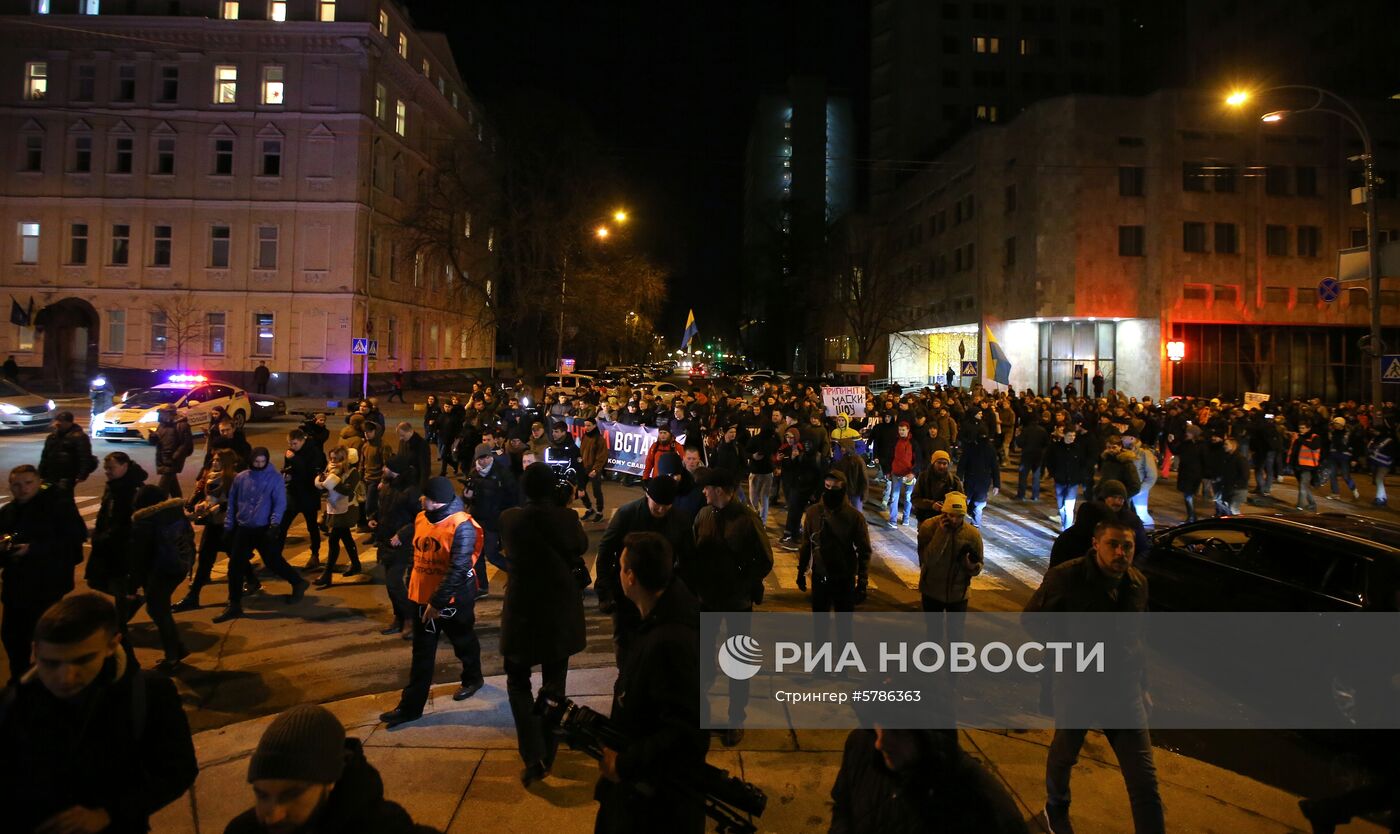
257 499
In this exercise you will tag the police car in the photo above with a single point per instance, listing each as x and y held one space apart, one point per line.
194 396
20 409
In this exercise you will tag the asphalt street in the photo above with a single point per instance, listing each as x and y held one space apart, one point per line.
328 647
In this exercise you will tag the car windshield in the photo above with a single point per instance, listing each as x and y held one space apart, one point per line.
154 396
7 389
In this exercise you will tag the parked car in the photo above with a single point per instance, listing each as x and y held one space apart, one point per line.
663 390
134 418
267 407
571 384
20 409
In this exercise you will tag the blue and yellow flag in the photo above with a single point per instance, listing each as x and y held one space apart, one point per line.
1001 366
690 330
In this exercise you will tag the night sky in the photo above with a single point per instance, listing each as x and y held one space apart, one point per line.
671 89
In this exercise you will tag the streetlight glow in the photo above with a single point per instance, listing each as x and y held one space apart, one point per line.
602 232
1237 98
620 216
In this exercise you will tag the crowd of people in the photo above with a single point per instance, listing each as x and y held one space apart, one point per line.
696 538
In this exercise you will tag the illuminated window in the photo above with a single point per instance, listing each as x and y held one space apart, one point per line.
91 6
41 6
467 225
325 11
228 9
28 242
159 323
215 329
986 46
1027 48
383 23
36 80
225 84
427 68
277 10
987 112
400 117
403 46
272 84
381 101
490 240
264 333
442 86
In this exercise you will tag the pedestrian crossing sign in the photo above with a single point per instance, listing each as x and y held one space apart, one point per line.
1390 367
968 369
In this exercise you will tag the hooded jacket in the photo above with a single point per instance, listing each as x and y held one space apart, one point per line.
835 543
258 498
732 556
492 494
111 535
162 540
66 455
174 443
593 452
542 615
942 576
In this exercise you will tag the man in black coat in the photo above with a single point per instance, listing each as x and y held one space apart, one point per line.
1066 460
174 444
89 742
414 448
656 702
392 533
1033 440
67 457
542 616
302 462
491 490
37 565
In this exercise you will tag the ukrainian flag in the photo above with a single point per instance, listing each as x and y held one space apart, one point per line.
690 330
1001 366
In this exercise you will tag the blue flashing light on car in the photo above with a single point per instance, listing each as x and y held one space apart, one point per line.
187 378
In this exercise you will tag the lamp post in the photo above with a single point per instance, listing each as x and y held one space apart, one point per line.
1348 114
600 233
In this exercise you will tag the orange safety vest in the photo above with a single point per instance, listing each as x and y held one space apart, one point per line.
432 553
1308 457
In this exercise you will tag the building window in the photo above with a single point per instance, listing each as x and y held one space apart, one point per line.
82 154
1306 180
400 117
1227 293
125 148
159 324
28 242
403 46
169 84
442 86
33 153
160 250
277 10
225 84
264 333
272 77
91 6
1276 181
1309 241
215 327
325 11
986 46
394 261
121 244
228 10
1132 180
219 237
392 334
126 83
271 158
165 156
1276 241
223 157
1193 176
427 68
986 112
1132 241
1226 239
381 102
467 224
1358 237
1193 237
86 87
1223 175
77 244
116 331
41 6
462 344
374 254
383 23
36 80
267 247
1276 295
491 240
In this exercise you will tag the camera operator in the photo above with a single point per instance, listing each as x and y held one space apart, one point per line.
542 616
656 701
44 538
491 490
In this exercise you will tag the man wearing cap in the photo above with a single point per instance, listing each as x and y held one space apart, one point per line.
950 554
663 445
836 545
652 513
256 502
491 489
1114 496
308 776
446 542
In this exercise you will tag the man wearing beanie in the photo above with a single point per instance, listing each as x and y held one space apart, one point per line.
256 502
308 777
442 584
934 483
950 554
491 489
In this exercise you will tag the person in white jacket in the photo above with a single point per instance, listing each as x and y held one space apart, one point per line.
339 482
1147 472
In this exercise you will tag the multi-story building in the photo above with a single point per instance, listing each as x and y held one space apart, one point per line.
216 185
798 180
940 68
1091 230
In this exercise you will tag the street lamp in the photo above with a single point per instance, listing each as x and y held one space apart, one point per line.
601 233
1348 114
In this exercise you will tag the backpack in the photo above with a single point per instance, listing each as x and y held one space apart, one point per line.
88 467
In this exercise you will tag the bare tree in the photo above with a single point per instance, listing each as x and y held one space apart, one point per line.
184 324
867 295
613 300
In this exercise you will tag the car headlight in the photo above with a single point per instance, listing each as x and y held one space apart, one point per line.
264 403
51 405
7 408
148 417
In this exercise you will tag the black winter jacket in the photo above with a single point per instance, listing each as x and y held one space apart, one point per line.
66 455
636 517
107 563
542 616
50 524
732 556
491 494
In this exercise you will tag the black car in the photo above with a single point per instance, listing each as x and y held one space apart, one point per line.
1322 562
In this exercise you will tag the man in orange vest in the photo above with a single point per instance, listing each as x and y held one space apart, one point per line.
446 542
1306 456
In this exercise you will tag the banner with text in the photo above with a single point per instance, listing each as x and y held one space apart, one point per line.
627 445
849 399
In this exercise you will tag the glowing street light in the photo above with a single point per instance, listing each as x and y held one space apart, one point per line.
620 216
602 232
1237 98
1176 351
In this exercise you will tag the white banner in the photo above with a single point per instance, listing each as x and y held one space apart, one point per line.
1253 400
848 399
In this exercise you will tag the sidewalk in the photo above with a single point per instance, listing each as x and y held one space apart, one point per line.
457 767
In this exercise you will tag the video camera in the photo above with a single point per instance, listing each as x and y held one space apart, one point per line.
565 475
730 801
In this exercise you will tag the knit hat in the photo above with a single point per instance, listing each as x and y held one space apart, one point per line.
942 455
904 423
1112 489
1339 422
669 463
305 743
662 490
260 452
716 477
357 420
484 450
955 503
440 491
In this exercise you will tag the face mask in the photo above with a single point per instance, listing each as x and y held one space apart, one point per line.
833 497
257 465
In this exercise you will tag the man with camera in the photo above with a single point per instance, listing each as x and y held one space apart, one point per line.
41 539
656 702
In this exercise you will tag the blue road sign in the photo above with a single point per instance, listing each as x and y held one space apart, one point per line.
1329 289
359 347
1390 367
969 369
373 347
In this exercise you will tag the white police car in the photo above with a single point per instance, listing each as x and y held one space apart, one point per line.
20 409
194 396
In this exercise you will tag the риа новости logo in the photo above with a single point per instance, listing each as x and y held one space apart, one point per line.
740 657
